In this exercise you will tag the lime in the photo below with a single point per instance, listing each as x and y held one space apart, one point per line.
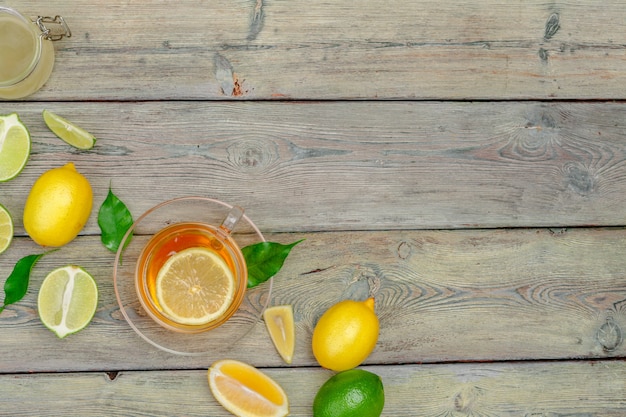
67 300
58 206
350 393
281 327
6 228
346 334
14 146
68 131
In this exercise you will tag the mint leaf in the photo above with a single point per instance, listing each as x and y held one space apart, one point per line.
264 260
114 220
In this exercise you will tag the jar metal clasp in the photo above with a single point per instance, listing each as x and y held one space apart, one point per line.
53 28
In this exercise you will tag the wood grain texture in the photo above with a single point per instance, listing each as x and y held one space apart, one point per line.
517 389
350 165
300 49
442 296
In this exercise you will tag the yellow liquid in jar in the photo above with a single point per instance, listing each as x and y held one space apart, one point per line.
22 72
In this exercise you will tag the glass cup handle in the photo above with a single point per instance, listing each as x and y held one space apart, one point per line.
232 218
53 28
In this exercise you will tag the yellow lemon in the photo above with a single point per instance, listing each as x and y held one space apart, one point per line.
58 206
346 334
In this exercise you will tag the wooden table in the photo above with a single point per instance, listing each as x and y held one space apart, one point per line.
464 162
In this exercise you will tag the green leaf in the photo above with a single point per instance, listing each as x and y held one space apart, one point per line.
16 285
114 220
264 260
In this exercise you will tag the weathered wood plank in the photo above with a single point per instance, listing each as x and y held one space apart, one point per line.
518 389
319 50
351 165
472 295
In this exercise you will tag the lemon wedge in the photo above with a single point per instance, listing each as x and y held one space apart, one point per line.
280 325
245 391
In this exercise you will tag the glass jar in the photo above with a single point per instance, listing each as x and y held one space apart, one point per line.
26 51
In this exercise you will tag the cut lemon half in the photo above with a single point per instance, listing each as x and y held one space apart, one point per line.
6 228
67 300
281 327
14 146
245 391
68 131
195 286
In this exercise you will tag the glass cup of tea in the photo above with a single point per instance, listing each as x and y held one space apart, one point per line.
180 277
26 51
191 277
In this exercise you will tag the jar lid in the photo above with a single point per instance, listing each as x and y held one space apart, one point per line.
20 47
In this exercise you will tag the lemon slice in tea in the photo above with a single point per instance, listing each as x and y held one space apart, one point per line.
14 146
195 286
245 391
6 228
280 326
67 300
68 131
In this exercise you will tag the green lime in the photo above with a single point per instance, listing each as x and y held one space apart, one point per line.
67 300
68 131
6 228
14 146
350 393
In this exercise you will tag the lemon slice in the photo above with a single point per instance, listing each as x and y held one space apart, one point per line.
68 131
195 286
245 391
280 326
67 300
14 146
6 228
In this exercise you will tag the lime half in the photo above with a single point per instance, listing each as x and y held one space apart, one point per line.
68 131
14 146
6 228
67 300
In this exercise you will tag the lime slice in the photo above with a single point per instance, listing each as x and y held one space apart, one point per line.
6 228
68 131
67 300
14 146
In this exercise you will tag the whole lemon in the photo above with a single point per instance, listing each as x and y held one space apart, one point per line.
346 334
58 206
355 392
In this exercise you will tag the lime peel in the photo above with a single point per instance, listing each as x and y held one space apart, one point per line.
69 132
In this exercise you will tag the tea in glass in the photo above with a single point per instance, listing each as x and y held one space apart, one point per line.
191 277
